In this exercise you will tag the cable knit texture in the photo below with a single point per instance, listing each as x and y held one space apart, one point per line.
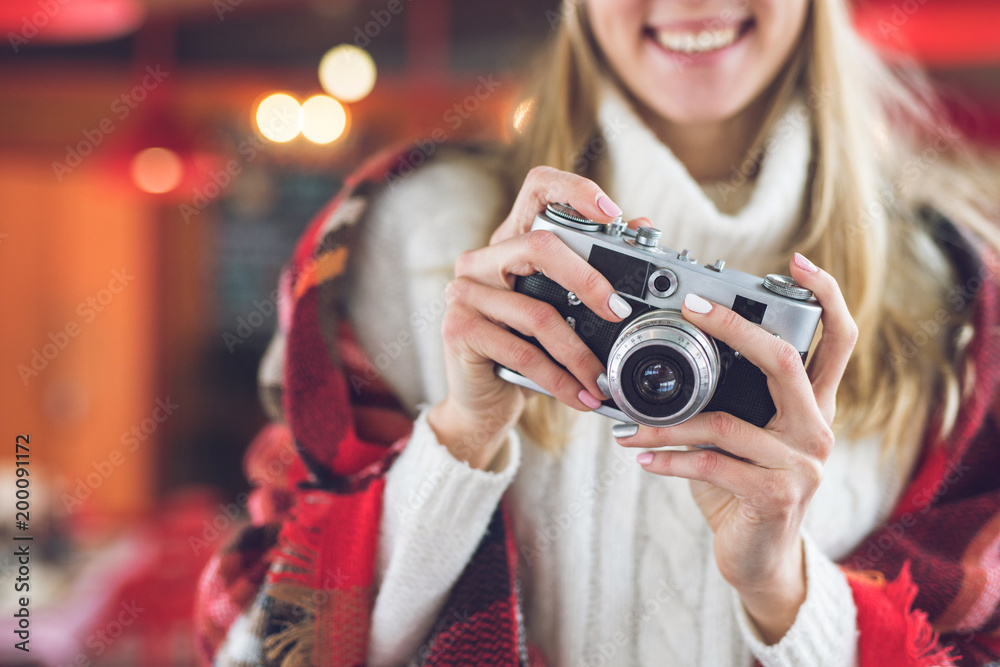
617 563
648 180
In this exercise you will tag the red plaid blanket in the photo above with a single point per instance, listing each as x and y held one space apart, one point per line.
295 586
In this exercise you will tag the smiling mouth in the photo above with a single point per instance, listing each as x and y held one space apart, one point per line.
693 42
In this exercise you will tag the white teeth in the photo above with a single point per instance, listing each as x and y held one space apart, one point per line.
701 42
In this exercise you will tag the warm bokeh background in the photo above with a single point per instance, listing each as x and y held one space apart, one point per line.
132 321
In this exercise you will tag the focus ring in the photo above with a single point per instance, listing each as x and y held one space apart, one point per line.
669 329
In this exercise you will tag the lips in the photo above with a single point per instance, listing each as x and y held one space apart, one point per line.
697 37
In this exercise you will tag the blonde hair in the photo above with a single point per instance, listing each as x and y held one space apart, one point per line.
871 175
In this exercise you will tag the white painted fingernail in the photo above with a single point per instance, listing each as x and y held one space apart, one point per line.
619 306
696 304
624 430
602 384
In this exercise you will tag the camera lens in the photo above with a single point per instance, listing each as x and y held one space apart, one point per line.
658 380
662 370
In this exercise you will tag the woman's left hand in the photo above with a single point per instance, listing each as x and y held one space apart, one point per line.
755 507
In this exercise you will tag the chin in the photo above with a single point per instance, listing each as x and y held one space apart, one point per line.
694 108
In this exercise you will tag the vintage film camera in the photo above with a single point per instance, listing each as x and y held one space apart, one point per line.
663 370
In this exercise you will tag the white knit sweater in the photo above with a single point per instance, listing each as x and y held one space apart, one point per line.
617 563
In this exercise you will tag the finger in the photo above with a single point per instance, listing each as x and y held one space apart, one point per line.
491 343
788 382
721 429
545 185
533 318
640 222
840 333
542 251
740 478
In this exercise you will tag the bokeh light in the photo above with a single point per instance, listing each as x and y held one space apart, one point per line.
522 114
279 117
347 72
156 170
323 119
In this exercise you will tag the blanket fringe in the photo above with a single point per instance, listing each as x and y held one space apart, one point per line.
921 638
294 644
298 549
292 583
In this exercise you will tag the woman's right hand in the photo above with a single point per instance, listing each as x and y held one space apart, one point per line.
480 409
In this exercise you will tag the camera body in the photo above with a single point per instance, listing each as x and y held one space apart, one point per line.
662 370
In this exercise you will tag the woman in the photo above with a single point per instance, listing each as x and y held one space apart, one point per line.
745 130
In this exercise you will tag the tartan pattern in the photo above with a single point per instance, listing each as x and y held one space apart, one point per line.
294 587
939 552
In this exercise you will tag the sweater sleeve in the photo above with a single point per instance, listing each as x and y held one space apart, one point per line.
436 510
824 633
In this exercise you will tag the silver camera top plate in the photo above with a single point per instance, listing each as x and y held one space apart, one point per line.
791 317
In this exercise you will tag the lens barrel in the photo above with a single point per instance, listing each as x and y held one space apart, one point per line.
662 369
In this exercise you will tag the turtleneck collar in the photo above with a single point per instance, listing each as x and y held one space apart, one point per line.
647 179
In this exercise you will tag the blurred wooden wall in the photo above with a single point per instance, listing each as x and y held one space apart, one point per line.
62 246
